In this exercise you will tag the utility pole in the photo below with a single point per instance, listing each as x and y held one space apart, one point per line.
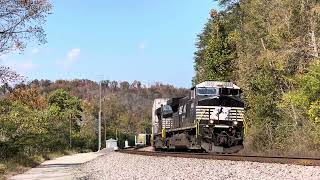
116 134
105 131
99 120
70 142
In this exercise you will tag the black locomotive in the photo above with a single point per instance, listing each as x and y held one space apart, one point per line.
209 119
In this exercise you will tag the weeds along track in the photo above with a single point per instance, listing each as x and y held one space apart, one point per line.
306 161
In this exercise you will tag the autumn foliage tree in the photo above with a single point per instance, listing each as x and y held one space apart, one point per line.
29 96
21 21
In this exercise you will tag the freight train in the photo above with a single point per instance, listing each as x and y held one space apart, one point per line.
209 119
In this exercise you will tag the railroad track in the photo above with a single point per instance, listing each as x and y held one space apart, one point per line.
306 161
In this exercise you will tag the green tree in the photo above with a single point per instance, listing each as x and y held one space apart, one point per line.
270 49
217 47
21 128
64 115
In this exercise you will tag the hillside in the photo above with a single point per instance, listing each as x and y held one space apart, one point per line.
35 116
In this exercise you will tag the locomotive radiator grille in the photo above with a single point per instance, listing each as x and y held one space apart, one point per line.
204 113
211 113
167 123
235 115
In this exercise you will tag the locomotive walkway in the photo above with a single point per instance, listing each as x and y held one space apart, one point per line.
60 168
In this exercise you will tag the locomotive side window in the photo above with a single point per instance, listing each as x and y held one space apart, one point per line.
180 109
167 111
193 92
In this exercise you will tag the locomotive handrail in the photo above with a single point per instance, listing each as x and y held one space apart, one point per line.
198 123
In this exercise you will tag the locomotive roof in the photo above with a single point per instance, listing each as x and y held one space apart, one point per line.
219 84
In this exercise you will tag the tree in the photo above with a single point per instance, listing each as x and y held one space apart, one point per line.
136 85
229 4
113 85
30 97
269 48
64 101
124 85
66 110
215 58
105 83
22 128
86 137
7 75
20 22
67 107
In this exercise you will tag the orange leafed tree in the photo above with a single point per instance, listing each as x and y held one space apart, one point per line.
30 97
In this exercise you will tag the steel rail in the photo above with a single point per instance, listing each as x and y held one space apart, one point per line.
306 161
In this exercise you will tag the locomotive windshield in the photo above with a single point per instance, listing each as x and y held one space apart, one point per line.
207 91
230 92
167 110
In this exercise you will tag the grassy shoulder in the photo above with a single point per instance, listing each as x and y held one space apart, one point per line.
21 163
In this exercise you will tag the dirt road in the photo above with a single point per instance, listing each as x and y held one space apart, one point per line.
57 169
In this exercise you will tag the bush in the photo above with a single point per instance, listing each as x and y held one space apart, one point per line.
3 168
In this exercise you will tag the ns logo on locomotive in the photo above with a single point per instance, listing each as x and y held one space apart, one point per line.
209 119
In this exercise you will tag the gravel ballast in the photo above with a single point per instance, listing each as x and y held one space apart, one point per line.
115 165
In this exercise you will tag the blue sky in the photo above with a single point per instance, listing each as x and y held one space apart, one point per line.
146 40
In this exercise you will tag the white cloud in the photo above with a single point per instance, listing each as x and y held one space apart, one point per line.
71 57
26 66
21 66
35 51
3 58
142 46
73 54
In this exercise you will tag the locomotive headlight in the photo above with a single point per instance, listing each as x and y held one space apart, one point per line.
235 123
211 121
